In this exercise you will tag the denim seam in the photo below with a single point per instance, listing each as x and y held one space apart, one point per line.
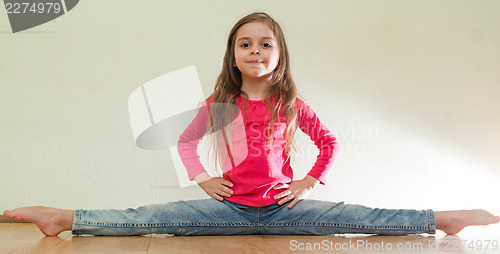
343 225
431 221
77 218
191 224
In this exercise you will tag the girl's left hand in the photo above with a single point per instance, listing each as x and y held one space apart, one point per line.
296 190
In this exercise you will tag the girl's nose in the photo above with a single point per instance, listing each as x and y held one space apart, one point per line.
255 52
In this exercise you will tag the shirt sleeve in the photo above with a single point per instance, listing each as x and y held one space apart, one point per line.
323 138
187 146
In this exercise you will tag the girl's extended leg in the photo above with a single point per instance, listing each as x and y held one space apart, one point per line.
194 217
311 217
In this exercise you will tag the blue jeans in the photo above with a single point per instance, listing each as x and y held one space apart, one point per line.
213 217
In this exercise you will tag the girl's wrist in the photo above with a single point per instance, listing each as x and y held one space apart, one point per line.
201 177
311 181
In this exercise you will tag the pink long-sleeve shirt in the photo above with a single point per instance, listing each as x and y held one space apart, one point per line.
257 167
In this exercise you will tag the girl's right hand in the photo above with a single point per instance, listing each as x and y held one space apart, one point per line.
216 187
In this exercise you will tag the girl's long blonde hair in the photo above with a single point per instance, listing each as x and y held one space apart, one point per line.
282 88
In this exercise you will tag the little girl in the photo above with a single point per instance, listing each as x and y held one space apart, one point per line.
249 198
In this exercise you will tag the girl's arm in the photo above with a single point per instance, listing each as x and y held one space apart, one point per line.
187 146
322 137
328 149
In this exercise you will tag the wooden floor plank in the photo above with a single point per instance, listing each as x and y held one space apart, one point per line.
26 238
6 227
281 243
195 244
164 244
238 244
118 244
71 244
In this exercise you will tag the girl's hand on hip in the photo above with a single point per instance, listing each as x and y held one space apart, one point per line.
217 187
296 190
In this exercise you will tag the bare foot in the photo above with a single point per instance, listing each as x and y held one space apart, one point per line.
452 222
51 221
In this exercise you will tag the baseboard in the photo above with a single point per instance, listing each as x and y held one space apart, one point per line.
4 219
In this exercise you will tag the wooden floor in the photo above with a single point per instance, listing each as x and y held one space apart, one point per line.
25 238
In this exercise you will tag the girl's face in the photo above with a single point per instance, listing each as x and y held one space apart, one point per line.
256 50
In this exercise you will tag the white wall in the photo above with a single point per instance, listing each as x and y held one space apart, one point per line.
409 87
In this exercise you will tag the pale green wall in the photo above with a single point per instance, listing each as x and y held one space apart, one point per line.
409 87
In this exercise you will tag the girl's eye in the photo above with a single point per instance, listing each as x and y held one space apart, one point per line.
266 45
245 45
